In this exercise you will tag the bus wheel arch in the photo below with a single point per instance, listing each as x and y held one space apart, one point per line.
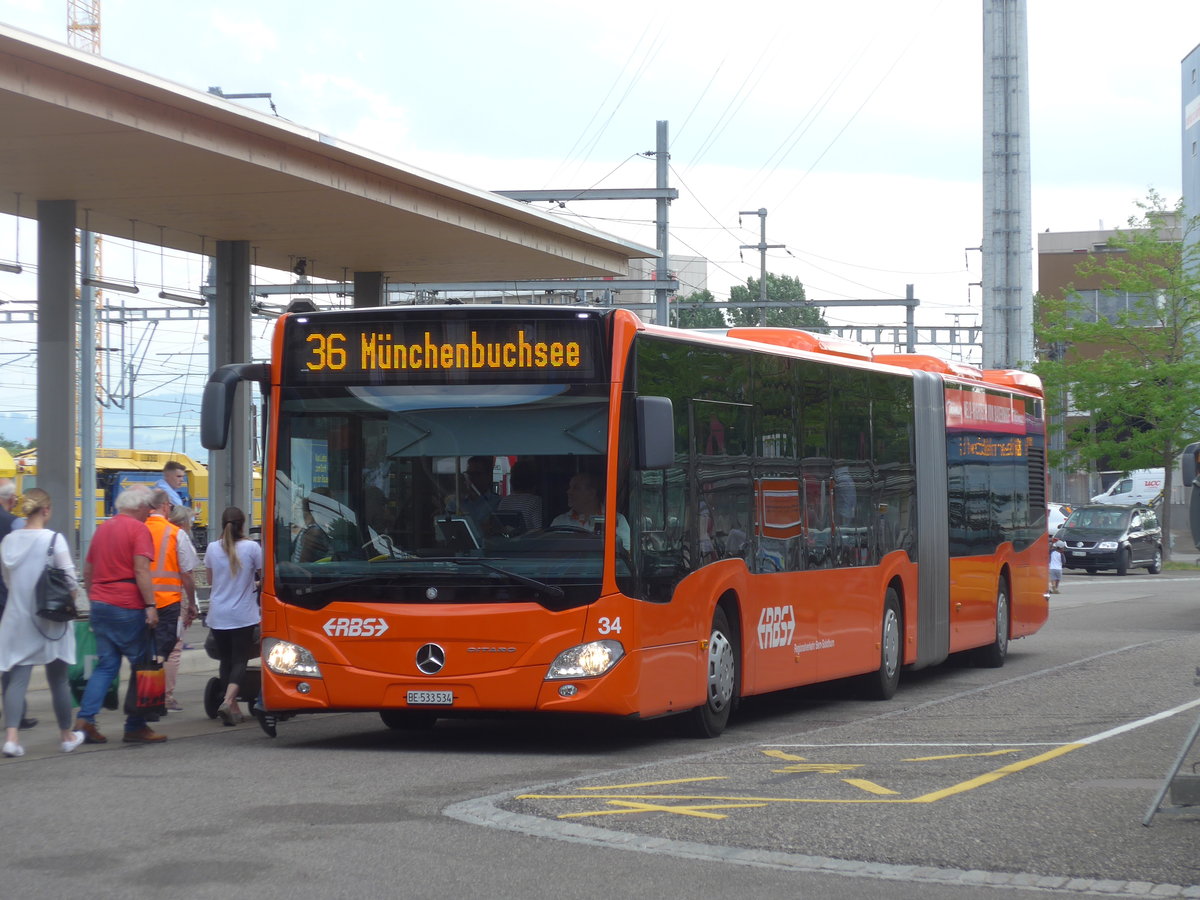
722 672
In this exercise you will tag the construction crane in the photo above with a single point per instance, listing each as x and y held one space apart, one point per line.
83 25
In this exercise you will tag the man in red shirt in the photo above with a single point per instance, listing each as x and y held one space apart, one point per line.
116 576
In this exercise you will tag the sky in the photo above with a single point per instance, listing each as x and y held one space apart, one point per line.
857 126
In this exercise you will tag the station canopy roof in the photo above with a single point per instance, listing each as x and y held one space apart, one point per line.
153 161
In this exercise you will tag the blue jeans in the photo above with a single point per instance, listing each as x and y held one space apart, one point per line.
119 632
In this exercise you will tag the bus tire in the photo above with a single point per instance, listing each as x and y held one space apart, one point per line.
882 683
408 719
721 679
267 722
993 655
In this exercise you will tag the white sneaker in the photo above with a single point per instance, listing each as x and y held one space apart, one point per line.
74 742
13 749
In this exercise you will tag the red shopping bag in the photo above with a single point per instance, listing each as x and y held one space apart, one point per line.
147 692
146 695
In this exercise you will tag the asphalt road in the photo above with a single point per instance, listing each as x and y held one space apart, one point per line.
1024 781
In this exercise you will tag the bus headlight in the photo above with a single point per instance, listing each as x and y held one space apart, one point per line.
586 661
284 658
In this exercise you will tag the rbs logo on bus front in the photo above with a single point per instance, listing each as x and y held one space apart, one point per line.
355 627
776 625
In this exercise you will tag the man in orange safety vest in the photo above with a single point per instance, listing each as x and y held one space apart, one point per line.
175 559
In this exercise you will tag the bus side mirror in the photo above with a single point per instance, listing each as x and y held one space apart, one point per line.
217 406
655 433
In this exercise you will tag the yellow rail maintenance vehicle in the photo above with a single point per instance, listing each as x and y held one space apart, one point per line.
117 469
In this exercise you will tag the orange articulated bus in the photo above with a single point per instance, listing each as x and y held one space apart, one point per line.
778 509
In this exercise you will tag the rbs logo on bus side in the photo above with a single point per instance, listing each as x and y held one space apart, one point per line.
347 627
776 626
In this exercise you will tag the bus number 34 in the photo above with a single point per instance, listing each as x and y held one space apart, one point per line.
776 625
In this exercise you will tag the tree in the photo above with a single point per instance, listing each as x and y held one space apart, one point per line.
780 288
700 318
14 447
1136 371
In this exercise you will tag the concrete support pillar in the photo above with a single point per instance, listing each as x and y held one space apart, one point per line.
230 472
57 366
368 289
88 437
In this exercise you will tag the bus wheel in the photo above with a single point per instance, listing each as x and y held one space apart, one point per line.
721 681
993 655
407 719
266 722
882 683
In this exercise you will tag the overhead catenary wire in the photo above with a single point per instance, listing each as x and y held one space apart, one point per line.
915 33
589 144
678 133
756 72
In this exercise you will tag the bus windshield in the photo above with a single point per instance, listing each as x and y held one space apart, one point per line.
441 493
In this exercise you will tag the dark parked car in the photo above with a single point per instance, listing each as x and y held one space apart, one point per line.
1112 537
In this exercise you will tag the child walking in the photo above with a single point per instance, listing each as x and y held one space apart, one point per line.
1056 566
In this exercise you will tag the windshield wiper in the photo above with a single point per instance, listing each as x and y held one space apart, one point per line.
305 590
550 590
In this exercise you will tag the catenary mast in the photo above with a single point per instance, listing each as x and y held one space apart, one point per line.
1007 234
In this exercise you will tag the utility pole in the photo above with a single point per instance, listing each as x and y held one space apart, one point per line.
664 284
762 247
662 274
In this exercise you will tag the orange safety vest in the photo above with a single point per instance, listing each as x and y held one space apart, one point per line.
168 583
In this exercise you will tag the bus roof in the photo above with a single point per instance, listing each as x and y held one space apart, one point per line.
832 345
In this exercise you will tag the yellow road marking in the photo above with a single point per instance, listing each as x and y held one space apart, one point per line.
996 775
701 805
622 787
961 755
869 786
823 768
699 812
733 802
779 754
720 798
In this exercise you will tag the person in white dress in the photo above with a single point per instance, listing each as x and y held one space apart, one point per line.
26 640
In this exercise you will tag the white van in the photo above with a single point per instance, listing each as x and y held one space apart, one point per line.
1140 486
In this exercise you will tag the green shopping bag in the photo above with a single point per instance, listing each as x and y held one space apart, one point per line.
80 671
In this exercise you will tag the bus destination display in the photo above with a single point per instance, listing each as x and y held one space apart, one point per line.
455 352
